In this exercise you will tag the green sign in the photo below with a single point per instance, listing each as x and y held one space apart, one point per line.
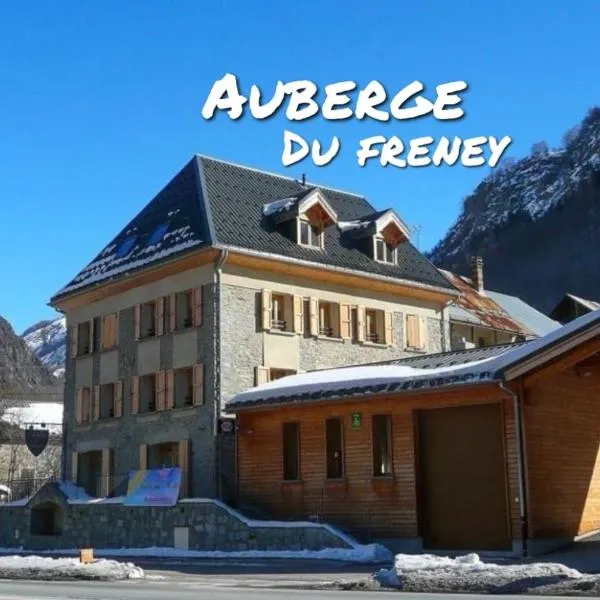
356 420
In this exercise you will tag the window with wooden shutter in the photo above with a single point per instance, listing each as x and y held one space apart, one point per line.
413 331
96 402
172 312
298 314
313 305
197 309
161 403
109 331
135 395
266 309
159 316
119 398
345 321
79 407
389 328
183 384
198 384
261 375
84 338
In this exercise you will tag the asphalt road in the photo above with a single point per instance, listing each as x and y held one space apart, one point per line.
159 590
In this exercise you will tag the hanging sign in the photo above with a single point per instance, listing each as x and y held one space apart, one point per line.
356 420
36 440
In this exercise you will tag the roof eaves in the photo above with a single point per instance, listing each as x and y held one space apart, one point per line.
329 267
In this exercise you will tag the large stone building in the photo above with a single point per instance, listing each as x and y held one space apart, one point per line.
228 278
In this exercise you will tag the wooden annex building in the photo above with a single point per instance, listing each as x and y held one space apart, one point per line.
487 449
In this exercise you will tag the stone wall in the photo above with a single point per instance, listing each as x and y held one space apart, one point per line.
210 525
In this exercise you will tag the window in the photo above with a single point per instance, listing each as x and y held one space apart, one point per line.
413 332
107 401
279 373
326 319
382 445
147 393
278 312
291 451
83 338
481 342
147 319
384 252
83 406
157 234
125 247
96 345
334 448
372 326
309 235
184 387
184 314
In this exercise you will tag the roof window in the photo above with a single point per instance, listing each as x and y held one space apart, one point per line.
158 234
125 248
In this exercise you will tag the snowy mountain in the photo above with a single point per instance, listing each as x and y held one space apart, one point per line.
48 340
536 222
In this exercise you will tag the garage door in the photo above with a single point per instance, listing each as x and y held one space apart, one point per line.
462 484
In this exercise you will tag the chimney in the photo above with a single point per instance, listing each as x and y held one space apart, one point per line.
477 273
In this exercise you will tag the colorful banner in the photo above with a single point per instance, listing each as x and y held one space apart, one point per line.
153 487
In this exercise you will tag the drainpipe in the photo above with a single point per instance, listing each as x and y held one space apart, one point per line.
520 467
217 364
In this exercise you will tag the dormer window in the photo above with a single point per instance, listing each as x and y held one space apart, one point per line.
309 234
384 252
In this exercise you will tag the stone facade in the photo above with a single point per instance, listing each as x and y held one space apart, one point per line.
208 525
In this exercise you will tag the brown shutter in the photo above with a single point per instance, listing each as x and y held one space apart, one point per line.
96 403
74 469
345 321
170 398
159 316
198 384
314 316
388 328
91 340
183 453
172 304
73 341
298 303
266 309
197 306
143 457
105 479
335 319
413 331
135 395
360 323
136 321
160 391
261 375
119 398
79 406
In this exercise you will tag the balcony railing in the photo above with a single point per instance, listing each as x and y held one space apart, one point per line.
373 337
277 324
326 331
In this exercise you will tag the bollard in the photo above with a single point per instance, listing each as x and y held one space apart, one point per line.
86 555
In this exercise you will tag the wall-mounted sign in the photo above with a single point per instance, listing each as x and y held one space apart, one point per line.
356 420
36 440
153 487
227 426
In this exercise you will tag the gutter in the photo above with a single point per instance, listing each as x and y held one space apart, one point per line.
523 510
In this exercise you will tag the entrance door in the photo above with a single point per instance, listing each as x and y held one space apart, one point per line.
462 485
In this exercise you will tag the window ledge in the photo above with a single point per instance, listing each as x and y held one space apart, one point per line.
82 427
183 411
106 350
150 416
375 345
110 422
415 350
330 338
148 338
281 332
182 330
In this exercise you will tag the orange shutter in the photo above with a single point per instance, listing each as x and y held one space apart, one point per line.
388 328
314 316
266 309
135 395
360 323
171 307
143 457
119 398
413 337
73 341
197 306
170 389
136 321
79 406
159 316
96 403
198 384
298 314
345 321
160 391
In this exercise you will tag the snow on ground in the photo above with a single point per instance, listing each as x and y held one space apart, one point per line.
41 567
468 573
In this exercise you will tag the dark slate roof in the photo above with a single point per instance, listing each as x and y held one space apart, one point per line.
211 202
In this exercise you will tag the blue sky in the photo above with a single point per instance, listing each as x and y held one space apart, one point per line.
100 105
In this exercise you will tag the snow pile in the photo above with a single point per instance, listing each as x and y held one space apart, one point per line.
278 205
468 573
38 567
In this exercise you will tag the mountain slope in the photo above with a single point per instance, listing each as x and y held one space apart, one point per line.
536 223
48 340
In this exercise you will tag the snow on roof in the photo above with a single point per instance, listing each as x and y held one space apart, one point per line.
376 379
352 225
278 205
591 304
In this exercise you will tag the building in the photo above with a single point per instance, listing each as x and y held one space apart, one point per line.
486 449
228 278
480 317
571 307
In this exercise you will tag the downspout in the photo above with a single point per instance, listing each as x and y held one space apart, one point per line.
217 365
520 467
